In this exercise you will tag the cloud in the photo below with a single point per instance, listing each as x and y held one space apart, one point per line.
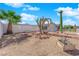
27 18
22 22
32 8
64 9
77 17
15 5
25 7
56 22
68 11
69 22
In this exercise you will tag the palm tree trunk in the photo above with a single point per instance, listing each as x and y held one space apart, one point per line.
9 29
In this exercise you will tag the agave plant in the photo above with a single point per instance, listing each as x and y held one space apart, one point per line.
11 17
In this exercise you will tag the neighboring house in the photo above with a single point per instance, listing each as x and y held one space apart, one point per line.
52 27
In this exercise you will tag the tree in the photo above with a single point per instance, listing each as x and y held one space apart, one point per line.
41 23
68 27
75 28
11 17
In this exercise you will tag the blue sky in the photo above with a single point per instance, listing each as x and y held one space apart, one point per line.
30 11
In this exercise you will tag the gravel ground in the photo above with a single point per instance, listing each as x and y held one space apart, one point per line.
36 47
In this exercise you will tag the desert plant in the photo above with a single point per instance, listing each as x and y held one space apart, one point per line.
61 25
41 24
11 17
68 27
75 28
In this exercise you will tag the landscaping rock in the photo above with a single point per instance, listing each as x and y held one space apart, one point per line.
66 44
70 47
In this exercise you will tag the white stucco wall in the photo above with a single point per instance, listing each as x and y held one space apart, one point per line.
4 28
1 29
20 28
24 28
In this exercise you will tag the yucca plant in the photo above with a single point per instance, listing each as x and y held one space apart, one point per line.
11 17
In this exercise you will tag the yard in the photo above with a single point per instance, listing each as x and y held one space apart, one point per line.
33 46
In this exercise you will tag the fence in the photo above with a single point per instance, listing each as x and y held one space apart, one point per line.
18 28
23 28
1 30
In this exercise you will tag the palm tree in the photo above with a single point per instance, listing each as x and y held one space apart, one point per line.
11 17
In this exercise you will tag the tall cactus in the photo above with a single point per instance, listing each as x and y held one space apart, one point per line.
61 24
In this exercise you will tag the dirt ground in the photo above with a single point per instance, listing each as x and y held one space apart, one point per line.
35 47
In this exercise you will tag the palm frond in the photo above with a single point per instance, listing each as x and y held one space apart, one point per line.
16 19
1 16
4 13
11 13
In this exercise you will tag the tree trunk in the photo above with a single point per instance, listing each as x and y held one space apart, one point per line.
40 29
9 29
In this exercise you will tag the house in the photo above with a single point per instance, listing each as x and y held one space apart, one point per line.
52 27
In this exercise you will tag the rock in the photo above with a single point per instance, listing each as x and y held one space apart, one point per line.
70 47
66 45
14 38
8 38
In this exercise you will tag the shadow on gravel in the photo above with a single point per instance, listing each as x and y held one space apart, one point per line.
5 41
73 53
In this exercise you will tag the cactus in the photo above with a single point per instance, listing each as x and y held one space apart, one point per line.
61 25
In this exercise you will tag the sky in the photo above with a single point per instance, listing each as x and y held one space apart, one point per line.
29 12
